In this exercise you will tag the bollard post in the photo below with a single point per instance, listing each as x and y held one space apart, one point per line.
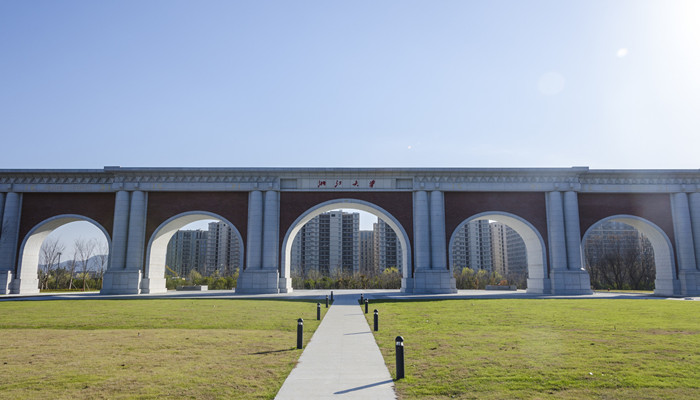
331 296
399 358
376 320
300 333
326 301
362 298
318 311
366 306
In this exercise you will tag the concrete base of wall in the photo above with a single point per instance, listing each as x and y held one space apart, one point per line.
406 285
667 287
539 285
434 281
285 285
689 283
153 285
565 282
5 281
121 282
258 282
24 286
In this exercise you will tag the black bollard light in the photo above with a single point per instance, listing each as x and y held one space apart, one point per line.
318 311
300 333
331 296
326 301
362 298
366 306
376 320
399 358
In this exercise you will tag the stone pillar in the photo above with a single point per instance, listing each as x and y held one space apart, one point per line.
431 274
9 238
124 273
137 231
271 223
270 248
120 231
261 274
556 231
564 233
694 199
421 224
2 210
438 248
255 230
573 231
688 274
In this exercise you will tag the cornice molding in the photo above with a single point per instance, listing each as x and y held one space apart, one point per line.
306 179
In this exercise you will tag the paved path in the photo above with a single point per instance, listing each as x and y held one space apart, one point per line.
342 360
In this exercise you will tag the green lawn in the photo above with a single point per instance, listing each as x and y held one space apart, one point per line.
573 349
148 349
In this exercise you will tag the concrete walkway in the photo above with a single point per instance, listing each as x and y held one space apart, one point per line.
342 360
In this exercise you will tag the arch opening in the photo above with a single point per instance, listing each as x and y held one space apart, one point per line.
344 204
157 250
46 251
641 248
502 229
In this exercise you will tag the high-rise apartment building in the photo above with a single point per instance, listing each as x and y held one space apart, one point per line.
490 246
187 251
613 237
217 249
509 252
472 247
387 248
367 253
223 249
328 244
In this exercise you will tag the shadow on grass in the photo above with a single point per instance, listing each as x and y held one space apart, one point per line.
273 351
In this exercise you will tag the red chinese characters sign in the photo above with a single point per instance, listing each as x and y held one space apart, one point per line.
338 184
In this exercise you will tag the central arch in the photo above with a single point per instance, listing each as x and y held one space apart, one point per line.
666 282
361 205
537 274
154 281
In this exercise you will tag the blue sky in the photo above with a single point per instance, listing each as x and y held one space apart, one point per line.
606 84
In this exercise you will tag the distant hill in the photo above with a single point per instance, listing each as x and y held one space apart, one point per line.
93 264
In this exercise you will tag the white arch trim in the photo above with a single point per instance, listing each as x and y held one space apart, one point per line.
538 276
28 267
154 281
666 283
343 204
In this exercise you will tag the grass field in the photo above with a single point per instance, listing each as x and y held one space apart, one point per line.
522 349
149 349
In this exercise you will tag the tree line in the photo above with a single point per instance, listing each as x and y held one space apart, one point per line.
75 273
390 278
620 261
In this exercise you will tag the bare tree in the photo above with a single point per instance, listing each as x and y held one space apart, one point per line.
72 264
49 256
102 257
620 262
84 250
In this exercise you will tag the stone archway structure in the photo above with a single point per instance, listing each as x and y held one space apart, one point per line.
538 274
29 254
666 283
329 205
561 204
154 278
